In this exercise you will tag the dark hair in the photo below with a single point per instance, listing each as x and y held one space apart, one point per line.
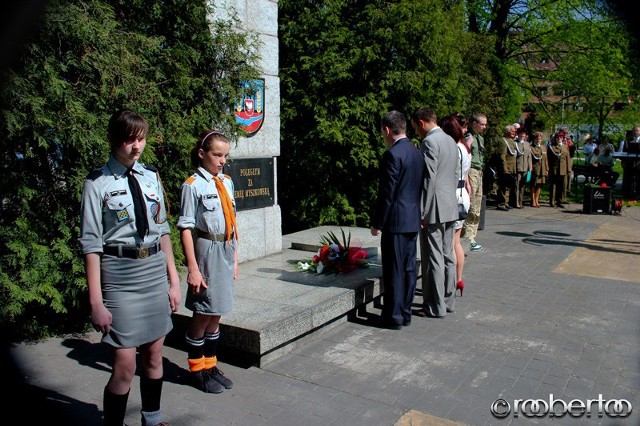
424 114
462 120
125 125
451 126
396 121
204 142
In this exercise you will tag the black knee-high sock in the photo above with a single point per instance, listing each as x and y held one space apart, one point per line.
211 349
211 343
195 352
115 407
150 393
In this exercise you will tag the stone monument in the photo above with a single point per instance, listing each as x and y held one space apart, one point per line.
254 158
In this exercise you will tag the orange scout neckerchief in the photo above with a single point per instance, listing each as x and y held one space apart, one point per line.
230 224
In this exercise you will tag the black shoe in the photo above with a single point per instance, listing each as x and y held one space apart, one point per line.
391 326
205 383
219 377
387 324
502 208
560 206
406 323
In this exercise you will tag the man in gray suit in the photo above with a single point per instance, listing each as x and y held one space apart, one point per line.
439 213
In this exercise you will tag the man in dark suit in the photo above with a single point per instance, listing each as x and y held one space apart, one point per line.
397 215
439 213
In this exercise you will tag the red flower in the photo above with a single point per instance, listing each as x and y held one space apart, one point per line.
603 185
356 255
324 254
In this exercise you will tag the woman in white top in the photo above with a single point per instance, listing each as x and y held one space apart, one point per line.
455 126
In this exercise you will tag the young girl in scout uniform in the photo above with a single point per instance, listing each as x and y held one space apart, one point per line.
128 258
209 235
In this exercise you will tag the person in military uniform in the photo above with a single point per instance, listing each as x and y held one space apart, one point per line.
131 274
560 164
209 234
523 165
508 155
540 168
470 227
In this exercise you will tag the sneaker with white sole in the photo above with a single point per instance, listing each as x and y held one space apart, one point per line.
476 247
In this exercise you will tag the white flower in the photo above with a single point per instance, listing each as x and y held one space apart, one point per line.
320 267
304 266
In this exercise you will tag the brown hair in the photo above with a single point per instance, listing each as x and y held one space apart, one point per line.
125 125
204 142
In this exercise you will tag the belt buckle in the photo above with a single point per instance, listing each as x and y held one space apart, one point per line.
143 253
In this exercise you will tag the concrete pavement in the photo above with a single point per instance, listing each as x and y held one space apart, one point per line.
551 306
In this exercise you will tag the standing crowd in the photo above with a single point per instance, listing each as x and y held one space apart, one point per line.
431 195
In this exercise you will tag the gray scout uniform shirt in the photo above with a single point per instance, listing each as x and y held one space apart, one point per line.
107 214
200 206
201 209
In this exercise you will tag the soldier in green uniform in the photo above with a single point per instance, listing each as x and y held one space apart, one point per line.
508 155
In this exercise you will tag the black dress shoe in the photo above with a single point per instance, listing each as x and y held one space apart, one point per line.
388 324
406 323
504 209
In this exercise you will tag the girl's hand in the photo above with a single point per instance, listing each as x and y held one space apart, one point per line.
101 319
195 282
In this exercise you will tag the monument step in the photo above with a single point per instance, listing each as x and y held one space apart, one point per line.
277 307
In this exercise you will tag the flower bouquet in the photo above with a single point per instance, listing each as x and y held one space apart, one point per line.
335 256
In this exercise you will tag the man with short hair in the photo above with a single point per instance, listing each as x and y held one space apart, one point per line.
397 215
508 155
524 164
439 214
470 227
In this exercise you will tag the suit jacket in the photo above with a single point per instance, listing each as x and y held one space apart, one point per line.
401 176
524 160
439 203
559 160
508 155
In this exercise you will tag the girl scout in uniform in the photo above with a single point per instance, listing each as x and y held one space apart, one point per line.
209 235
128 259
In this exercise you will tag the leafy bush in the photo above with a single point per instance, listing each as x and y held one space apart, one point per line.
85 60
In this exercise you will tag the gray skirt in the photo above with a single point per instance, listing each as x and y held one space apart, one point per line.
136 292
216 261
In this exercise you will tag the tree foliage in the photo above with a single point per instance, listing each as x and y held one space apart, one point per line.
85 60
345 63
557 52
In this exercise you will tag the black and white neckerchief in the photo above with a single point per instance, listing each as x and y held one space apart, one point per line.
511 152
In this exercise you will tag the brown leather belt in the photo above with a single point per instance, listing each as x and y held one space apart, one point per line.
212 237
131 252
